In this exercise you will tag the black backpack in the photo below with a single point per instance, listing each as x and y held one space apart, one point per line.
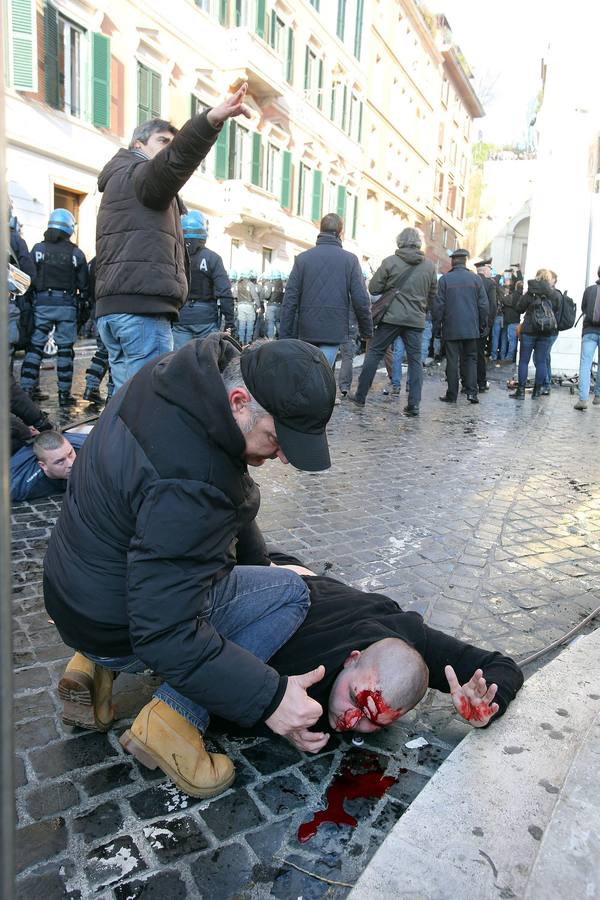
543 320
567 313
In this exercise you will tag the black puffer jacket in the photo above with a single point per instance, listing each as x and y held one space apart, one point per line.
209 285
140 255
158 505
536 289
323 283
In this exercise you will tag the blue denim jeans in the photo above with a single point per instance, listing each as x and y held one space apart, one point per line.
272 317
539 346
426 339
589 344
184 333
509 341
397 358
132 341
548 379
329 351
257 607
496 331
246 319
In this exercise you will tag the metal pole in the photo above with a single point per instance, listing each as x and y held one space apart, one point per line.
7 803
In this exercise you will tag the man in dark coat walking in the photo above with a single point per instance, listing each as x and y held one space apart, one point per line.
324 282
414 277
461 310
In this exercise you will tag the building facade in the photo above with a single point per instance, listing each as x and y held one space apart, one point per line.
346 96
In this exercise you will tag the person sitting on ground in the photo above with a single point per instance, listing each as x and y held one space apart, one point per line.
379 660
43 468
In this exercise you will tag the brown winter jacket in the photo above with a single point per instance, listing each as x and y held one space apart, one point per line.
140 253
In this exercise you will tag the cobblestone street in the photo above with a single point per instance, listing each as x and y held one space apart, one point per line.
485 519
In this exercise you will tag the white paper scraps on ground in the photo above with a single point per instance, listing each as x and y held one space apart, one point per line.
416 743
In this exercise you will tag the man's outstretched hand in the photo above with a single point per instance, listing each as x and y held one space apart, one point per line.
474 699
297 712
233 105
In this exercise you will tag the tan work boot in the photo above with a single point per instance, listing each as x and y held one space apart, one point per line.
159 736
86 689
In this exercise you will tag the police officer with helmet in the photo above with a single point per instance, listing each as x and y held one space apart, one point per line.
210 287
61 286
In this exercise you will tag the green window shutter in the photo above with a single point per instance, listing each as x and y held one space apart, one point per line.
344 107
51 79
320 85
256 176
333 97
360 120
272 29
224 12
355 218
261 18
341 19
100 80
222 153
317 195
23 39
306 69
155 91
143 94
341 201
358 28
286 179
238 13
289 73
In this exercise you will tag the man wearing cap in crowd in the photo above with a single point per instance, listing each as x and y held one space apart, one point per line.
460 310
157 564
484 270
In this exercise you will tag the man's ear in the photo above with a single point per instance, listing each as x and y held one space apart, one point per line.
238 398
43 466
352 659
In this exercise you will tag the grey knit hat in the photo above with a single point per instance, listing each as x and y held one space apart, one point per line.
409 237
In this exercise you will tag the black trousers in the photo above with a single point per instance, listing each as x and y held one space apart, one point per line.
466 353
384 335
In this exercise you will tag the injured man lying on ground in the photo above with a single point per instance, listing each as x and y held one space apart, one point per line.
379 661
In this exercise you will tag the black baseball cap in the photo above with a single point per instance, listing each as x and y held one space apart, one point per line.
293 381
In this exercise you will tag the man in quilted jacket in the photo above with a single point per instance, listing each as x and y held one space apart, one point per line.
324 283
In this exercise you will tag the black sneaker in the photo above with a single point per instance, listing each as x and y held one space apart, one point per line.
483 387
472 398
65 398
411 410
447 399
36 394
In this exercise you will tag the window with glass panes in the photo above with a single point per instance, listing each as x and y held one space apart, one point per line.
272 169
197 106
239 152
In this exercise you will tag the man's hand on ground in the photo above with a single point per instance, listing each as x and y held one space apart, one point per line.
233 105
297 712
474 699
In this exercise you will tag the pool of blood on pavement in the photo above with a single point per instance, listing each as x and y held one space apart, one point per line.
360 775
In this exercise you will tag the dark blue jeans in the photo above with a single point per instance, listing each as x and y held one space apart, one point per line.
540 347
384 335
257 607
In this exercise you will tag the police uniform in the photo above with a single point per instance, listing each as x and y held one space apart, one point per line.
209 296
61 282
248 304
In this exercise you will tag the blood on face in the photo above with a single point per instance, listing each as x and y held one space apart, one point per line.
369 705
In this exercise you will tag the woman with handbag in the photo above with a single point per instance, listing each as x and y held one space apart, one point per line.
407 283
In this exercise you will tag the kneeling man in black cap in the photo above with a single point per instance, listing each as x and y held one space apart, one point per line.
142 567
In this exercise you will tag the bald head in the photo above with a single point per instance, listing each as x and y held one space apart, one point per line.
377 685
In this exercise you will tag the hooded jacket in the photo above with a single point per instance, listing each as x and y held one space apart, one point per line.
537 288
324 282
409 308
158 506
141 264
